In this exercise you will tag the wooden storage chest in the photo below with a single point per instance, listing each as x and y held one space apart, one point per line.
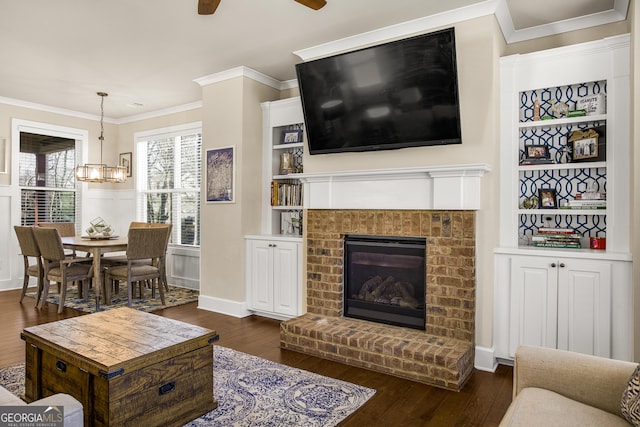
127 367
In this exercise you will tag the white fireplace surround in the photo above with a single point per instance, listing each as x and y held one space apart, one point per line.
451 187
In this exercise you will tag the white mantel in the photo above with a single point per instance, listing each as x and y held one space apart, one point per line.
450 187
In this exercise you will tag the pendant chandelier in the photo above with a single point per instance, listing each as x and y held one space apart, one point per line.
101 172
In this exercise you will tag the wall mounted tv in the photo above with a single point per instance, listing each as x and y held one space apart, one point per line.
395 95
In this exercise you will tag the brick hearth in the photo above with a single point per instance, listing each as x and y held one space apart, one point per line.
443 354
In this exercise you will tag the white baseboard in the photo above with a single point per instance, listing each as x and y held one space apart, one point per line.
485 359
222 306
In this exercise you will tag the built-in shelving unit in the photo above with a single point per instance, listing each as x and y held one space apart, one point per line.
274 257
282 164
567 297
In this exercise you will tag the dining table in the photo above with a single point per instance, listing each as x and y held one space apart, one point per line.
96 246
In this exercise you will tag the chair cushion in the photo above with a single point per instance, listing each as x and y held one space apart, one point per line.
33 270
74 270
630 404
137 270
539 407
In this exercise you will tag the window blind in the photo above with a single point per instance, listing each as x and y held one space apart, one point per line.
46 173
169 178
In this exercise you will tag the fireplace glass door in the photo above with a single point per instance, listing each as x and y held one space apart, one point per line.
385 279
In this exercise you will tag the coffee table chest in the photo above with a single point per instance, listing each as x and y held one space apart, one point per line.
127 367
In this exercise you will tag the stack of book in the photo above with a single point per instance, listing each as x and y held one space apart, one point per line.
589 200
286 194
556 238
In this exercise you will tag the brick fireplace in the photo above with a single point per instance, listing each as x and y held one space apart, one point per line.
443 354
436 203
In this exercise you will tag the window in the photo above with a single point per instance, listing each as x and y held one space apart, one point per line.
168 180
46 175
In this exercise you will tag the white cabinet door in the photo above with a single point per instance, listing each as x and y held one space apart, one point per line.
561 303
534 303
260 274
285 278
273 277
584 306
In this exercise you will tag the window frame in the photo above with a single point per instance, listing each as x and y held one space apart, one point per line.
141 175
81 137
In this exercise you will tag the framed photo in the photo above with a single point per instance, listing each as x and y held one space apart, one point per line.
536 152
585 149
291 136
587 145
125 161
547 198
221 169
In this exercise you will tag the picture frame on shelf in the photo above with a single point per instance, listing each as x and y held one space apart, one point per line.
536 152
124 160
547 198
291 136
220 181
587 145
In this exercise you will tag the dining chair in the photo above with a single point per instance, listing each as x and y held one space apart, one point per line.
29 249
162 264
66 229
142 244
60 268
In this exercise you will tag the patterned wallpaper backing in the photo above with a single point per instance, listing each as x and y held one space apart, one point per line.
567 182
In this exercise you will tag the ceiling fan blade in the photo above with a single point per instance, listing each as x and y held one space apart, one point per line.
207 7
313 4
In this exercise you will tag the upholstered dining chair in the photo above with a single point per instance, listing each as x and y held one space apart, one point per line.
60 268
66 229
142 244
29 249
162 264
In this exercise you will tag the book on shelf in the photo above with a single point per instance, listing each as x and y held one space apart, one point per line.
527 162
591 196
557 245
559 238
586 204
583 208
551 230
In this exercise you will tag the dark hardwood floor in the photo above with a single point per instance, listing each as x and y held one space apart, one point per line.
482 402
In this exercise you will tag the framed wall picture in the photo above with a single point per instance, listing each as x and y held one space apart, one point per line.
125 161
220 184
547 198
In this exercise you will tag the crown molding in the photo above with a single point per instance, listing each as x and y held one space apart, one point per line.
49 109
77 114
239 72
511 35
398 31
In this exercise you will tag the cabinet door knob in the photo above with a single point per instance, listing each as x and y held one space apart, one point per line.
561 265
553 265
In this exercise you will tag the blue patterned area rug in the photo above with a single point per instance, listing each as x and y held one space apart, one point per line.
173 297
256 392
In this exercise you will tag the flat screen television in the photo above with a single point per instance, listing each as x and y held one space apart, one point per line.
395 95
